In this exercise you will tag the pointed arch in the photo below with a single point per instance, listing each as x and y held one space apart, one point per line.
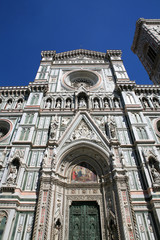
88 152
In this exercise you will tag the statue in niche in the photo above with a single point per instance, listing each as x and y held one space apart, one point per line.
54 156
82 102
116 103
12 174
19 104
155 175
58 104
68 103
48 104
57 228
54 126
112 126
96 104
9 104
45 158
106 104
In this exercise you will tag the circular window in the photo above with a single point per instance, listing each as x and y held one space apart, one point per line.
75 79
5 128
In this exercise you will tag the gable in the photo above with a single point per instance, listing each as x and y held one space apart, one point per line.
83 127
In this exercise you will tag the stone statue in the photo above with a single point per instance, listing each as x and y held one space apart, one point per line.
106 104
12 174
155 175
54 151
45 158
48 104
19 105
58 104
96 104
116 103
54 126
68 104
57 228
82 102
112 126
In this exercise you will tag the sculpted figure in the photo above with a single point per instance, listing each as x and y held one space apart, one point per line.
106 105
12 174
112 126
19 105
96 104
116 103
68 104
57 228
82 102
58 105
48 104
54 126
44 161
156 175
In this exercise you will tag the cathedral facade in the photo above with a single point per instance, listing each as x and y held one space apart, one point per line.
80 152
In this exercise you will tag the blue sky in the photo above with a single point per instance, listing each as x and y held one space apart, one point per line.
30 26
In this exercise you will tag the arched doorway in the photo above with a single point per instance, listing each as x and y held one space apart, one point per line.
84 169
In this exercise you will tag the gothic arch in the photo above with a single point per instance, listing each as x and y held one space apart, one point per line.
75 152
70 156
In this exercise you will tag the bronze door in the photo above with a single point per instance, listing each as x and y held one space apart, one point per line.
84 221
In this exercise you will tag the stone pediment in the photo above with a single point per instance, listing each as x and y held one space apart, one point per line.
83 127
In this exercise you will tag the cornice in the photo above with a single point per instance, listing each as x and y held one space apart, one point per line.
114 53
49 54
73 53
14 91
78 52
38 87
147 89
125 85
139 25
136 34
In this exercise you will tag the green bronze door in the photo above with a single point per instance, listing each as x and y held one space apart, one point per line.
84 221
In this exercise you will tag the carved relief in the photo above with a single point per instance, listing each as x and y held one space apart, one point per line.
54 127
112 126
83 132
